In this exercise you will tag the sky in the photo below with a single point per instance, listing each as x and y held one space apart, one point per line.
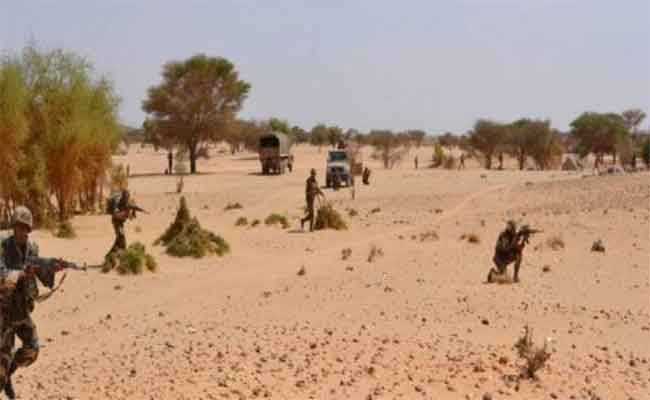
437 65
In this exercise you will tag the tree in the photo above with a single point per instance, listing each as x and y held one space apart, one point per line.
334 135
598 133
197 98
280 125
486 137
299 135
448 140
388 145
416 136
319 135
633 119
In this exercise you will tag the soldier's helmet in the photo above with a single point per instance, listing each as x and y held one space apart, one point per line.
511 226
313 172
22 215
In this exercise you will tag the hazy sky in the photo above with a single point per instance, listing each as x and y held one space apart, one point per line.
435 65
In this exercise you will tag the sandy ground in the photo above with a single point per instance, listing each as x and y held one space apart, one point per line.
418 322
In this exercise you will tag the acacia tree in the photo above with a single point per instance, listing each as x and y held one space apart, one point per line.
633 119
598 133
388 145
195 101
416 136
486 137
319 135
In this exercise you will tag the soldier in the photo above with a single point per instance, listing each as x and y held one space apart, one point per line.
366 176
18 291
461 164
120 212
170 162
336 180
501 161
509 248
416 162
311 191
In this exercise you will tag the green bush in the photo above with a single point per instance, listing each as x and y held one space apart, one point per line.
328 218
132 261
275 219
186 238
65 231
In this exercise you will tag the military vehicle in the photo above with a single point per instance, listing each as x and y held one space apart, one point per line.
337 162
275 153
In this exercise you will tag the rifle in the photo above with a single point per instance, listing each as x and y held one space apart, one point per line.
45 268
526 232
133 209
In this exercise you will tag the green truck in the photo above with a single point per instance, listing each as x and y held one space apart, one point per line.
275 153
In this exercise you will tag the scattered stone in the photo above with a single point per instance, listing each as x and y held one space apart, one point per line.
598 246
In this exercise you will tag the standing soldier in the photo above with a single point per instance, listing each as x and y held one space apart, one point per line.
500 160
461 164
18 292
416 162
336 180
120 212
170 161
311 191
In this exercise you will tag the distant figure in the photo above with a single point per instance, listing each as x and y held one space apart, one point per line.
170 162
634 161
366 176
353 189
311 191
416 162
501 160
336 180
510 248
461 164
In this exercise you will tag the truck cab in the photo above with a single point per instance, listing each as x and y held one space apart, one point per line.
337 162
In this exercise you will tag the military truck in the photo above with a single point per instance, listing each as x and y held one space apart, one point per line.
338 163
275 153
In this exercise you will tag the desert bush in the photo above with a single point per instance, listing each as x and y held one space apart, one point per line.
65 231
534 357
255 222
555 243
352 212
471 238
375 252
233 206
132 261
328 218
375 210
275 219
346 253
241 221
439 155
430 235
186 238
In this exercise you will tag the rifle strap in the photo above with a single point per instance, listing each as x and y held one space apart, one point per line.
49 294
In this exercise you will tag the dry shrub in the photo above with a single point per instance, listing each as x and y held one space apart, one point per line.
186 238
375 252
275 219
534 357
132 261
346 253
352 212
555 243
233 206
65 231
375 210
328 218
241 221
255 222
471 238
429 236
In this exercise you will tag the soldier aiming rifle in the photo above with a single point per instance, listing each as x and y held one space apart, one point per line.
510 248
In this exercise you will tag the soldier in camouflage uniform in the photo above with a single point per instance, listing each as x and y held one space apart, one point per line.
119 215
18 291
507 250
311 191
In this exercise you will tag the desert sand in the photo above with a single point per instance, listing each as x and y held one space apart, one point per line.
417 322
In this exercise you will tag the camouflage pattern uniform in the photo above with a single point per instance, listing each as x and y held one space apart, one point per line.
311 191
118 221
18 293
507 250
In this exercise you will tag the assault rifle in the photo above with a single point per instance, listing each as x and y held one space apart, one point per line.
133 209
45 268
525 232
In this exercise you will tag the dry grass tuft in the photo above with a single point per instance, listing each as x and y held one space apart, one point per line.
328 218
353 213
275 219
241 221
346 253
233 206
429 236
555 243
534 357
375 252
471 238
255 222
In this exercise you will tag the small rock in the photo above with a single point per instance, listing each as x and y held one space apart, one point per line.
487 396
484 321
598 246
302 271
